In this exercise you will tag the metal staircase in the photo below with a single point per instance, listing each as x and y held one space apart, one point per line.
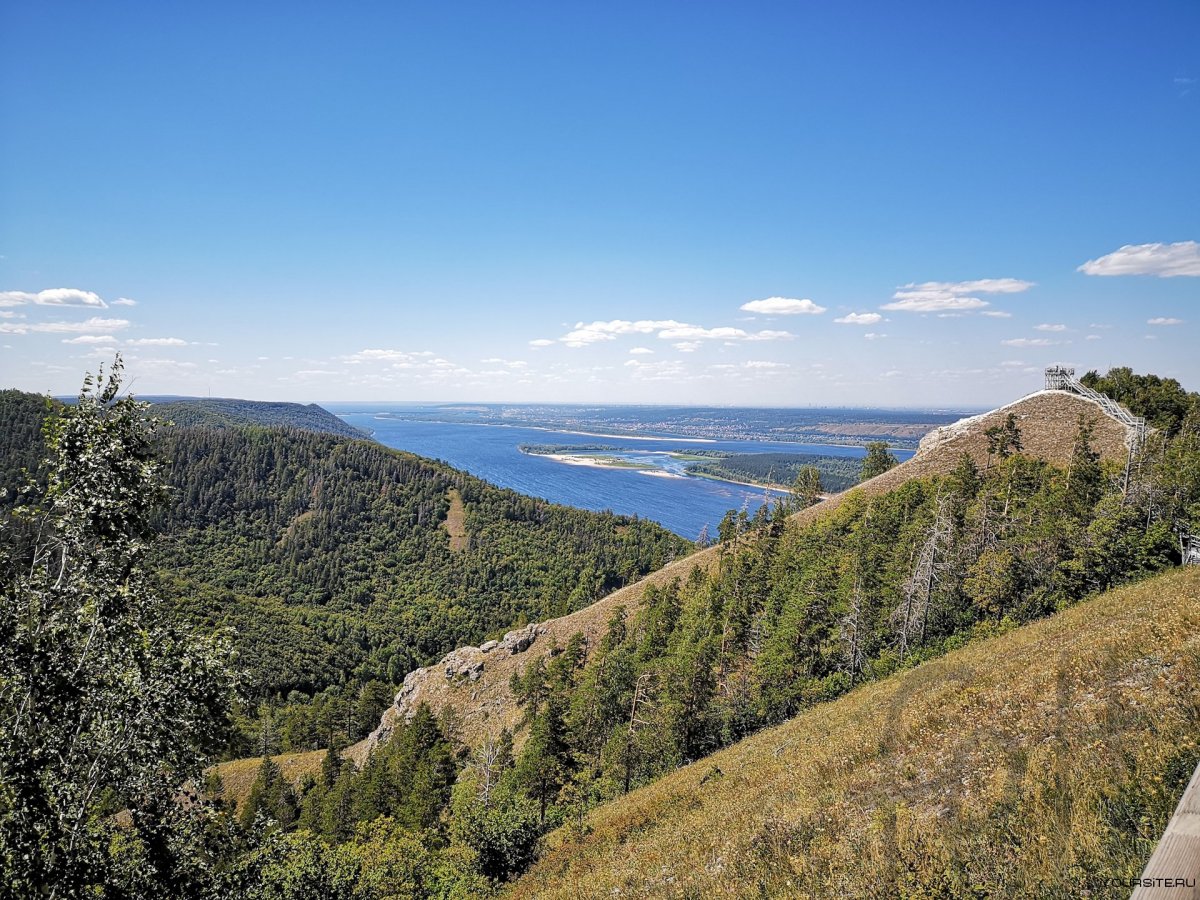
1059 378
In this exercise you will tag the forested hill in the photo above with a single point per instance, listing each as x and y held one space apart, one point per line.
220 411
333 557
337 561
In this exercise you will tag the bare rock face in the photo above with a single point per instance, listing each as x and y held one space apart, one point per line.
433 684
521 639
464 662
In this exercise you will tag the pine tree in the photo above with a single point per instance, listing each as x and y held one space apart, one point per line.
878 460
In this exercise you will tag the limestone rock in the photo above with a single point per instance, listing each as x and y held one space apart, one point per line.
463 663
521 639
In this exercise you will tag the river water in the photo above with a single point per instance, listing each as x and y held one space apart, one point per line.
683 503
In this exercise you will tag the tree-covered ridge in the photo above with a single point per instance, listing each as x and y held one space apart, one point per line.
21 445
227 412
795 616
1162 401
330 558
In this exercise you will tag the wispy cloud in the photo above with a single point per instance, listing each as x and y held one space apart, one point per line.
783 306
53 297
1161 260
124 301
996 313
859 319
157 342
943 296
380 355
1030 342
541 342
92 324
1046 326
91 339
1164 320
640 351
586 334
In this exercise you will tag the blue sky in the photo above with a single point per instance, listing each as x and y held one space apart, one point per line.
619 202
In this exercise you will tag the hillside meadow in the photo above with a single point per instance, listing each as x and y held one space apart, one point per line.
1043 762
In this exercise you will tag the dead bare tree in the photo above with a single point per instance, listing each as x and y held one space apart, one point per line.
911 616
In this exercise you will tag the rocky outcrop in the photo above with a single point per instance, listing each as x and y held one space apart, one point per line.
463 666
465 662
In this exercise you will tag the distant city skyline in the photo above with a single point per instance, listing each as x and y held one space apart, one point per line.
685 204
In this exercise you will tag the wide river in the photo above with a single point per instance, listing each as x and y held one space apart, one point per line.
683 503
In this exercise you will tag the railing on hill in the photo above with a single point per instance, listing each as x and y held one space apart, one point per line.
1060 378
1173 872
1191 550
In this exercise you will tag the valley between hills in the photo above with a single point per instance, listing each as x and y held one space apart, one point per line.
972 674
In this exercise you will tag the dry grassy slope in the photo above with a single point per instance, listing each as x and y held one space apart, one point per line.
237 776
996 770
1048 422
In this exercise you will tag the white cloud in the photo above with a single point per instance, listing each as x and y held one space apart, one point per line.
640 351
91 339
378 355
941 296
996 313
53 297
1013 363
764 364
873 336
157 342
69 297
783 306
584 335
1030 342
1164 320
9 314
696 332
769 336
1045 326
1163 260
541 342
933 304
92 324
687 346
124 301
859 319
1092 337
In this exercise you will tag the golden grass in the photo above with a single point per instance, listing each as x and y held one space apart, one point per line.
456 522
1032 764
237 776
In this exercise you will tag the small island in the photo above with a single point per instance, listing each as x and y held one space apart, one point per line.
777 471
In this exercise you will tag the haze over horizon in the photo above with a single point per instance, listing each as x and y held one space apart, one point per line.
700 204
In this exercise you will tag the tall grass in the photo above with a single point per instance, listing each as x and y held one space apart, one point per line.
1044 762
